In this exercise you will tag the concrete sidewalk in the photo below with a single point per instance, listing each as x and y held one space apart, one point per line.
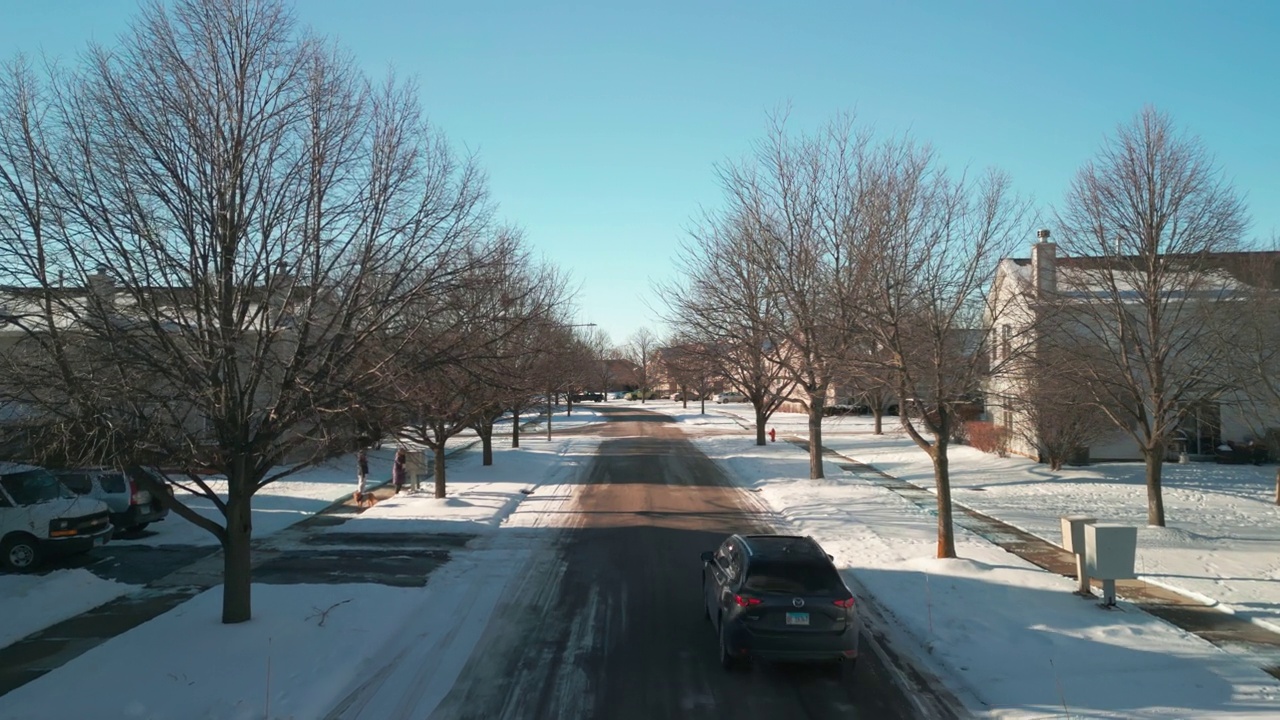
1230 632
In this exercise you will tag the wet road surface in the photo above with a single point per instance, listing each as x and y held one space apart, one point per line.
611 624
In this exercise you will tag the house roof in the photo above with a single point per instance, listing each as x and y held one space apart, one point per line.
1251 267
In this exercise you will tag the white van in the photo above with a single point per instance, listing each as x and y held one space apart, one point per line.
40 517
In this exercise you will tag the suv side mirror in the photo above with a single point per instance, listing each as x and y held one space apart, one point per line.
707 556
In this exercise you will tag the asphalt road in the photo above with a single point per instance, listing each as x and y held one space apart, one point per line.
611 624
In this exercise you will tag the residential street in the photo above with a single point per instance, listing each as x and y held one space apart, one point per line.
612 625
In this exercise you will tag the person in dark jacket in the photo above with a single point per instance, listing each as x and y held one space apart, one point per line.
362 471
398 470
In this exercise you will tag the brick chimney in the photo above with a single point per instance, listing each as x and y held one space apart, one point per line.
101 284
103 293
1044 266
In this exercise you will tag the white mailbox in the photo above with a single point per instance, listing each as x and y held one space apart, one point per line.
1073 532
1110 551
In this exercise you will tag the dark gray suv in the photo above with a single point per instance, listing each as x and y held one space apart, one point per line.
779 597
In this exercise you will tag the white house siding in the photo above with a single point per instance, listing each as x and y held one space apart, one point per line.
1241 418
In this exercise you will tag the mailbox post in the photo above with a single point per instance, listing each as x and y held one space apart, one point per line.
1073 542
1110 552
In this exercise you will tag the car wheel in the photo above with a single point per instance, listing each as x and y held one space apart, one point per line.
727 660
20 553
844 671
706 609
138 528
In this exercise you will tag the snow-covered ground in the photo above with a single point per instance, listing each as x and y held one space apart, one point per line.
370 648
1008 638
30 603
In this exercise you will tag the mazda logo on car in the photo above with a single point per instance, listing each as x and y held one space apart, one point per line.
798 602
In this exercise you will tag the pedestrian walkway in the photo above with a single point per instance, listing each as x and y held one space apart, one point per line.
1194 616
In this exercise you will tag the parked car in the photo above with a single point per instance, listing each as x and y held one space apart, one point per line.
132 507
681 396
731 396
778 597
585 396
40 517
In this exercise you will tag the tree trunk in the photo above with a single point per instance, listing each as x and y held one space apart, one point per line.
439 458
515 428
486 443
942 483
760 420
815 436
878 413
1155 497
236 605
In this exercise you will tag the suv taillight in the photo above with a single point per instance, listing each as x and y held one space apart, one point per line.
845 603
746 601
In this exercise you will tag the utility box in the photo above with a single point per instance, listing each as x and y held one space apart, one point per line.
1073 532
1110 551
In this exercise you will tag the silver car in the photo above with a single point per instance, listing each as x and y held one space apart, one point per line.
132 507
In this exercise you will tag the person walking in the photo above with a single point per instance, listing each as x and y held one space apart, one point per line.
362 472
398 470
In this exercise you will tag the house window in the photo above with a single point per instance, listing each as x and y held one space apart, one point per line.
1006 340
1008 417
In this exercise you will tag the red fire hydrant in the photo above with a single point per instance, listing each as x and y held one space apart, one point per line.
773 434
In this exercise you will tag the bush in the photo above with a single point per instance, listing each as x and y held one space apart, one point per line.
985 436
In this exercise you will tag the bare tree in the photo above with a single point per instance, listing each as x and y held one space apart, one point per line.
455 371
720 300
933 243
641 350
261 213
1061 416
603 352
1148 222
690 366
801 200
868 381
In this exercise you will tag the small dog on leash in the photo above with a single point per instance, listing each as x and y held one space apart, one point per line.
365 499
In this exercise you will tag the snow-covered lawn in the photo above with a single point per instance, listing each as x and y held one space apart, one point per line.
33 602
1221 543
1009 639
29 603
312 647
1007 636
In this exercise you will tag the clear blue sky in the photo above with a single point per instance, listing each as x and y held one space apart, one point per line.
599 123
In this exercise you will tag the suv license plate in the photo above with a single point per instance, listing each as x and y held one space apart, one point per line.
794 618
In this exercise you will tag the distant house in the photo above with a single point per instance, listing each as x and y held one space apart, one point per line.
1024 287
82 312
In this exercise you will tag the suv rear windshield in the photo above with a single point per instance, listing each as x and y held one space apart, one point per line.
112 482
79 483
793 578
